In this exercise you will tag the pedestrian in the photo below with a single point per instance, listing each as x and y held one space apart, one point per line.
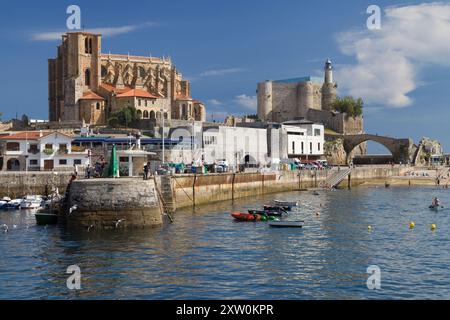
88 172
146 171
75 170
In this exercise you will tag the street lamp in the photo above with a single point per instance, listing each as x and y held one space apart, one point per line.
163 146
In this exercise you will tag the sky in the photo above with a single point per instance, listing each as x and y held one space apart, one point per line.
402 71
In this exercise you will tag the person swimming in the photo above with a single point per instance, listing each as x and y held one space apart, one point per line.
435 202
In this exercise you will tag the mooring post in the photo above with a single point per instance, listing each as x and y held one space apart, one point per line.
193 189
349 180
232 186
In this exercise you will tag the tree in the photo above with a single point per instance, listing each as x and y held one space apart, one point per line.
123 117
349 105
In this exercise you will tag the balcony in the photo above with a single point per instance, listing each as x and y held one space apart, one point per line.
48 152
78 149
63 151
33 151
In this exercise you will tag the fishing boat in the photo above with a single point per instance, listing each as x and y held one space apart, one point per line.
286 224
31 202
286 203
435 207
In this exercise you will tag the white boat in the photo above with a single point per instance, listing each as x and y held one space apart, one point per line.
286 203
31 202
286 224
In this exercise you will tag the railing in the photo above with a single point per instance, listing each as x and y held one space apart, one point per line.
336 178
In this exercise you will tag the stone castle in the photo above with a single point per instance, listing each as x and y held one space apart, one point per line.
87 85
307 97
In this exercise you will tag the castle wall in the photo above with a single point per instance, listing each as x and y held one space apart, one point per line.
264 97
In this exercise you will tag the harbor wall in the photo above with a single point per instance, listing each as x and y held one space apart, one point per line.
189 190
101 203
18 184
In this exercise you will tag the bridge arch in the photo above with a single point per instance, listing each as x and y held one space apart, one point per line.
399 148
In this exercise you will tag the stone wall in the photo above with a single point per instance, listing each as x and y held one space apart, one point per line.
101 203
18 184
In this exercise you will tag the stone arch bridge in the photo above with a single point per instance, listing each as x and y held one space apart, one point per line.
403 150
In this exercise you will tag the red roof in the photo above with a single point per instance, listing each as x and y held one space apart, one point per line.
24 135
89 95
136 93
111 88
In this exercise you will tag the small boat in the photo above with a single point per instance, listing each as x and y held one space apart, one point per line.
267 212
12 205
435 207
286 224
45 218
277 208
252 217
31 202
286 203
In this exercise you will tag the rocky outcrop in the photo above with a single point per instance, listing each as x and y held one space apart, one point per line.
428 147
335 152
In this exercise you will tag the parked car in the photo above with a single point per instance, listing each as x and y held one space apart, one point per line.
224 164
311 166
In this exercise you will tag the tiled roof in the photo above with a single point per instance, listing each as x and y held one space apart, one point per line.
111 88
89 95
136 93
26 135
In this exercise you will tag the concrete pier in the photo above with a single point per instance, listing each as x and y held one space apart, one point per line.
113 203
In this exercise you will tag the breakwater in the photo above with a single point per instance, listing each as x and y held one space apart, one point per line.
113 203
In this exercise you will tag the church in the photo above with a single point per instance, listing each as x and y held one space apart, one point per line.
87 85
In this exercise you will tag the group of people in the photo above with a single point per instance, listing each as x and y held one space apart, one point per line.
95 171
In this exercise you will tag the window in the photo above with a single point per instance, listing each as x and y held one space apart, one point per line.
317 132
303 148
87 77
97 106
33 162
49 146
33 149
146 114
13 146
293 147
77 161
141 72
123 159
63 148
318 146
104 71
139 102
62 162
310 147
86 45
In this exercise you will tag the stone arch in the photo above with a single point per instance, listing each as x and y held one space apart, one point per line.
139 114
145 116
13 164
152 115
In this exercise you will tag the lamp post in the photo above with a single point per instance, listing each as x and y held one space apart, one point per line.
163 146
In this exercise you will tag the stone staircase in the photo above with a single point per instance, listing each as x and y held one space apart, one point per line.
165 195
336 178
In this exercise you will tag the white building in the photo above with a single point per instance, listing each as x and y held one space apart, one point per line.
305 139
40 151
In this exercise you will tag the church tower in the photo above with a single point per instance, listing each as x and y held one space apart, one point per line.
329 87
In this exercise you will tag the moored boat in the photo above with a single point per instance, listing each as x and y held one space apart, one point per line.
286 224
277 208
45 218
31 202
240 216
267 212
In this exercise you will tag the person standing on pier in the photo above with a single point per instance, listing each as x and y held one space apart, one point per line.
146 168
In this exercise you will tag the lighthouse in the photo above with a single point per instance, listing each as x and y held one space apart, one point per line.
329 87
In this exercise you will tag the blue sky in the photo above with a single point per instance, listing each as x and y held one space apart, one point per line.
226 47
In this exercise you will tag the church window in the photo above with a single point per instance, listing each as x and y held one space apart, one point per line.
139 102
141 72
145 114
98 105
86 45
87 77
90 45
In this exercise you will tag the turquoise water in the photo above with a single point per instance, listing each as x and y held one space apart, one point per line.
207 255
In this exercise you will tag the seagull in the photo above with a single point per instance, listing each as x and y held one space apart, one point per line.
90 227
119 222
73 208
5 228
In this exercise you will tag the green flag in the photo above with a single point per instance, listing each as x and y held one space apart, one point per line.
113 170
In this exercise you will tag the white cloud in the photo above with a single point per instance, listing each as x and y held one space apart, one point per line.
220 72
106 32
245 101
389 60
215 102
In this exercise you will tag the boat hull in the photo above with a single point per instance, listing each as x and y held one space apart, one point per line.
286 203
46 218
286 224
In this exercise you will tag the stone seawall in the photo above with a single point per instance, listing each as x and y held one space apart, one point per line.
189 190
113 203
18 184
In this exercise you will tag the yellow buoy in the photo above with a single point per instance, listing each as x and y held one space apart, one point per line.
412 225
433 227
369 228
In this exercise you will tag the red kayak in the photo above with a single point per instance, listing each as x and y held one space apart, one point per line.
246 216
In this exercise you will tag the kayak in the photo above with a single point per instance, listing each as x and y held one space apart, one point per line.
267 213
252 217
286 203
286 224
